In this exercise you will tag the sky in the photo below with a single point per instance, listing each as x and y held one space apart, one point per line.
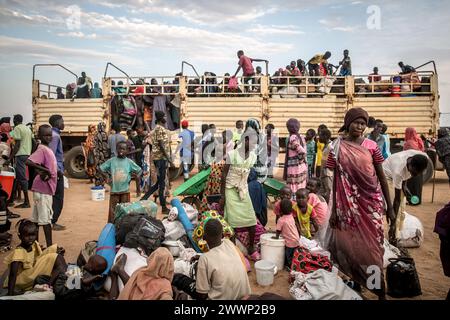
153 37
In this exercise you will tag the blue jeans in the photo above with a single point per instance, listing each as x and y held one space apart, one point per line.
161 167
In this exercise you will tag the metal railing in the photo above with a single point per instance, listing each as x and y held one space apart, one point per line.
210 86
47 92
303 86
395 85
165 85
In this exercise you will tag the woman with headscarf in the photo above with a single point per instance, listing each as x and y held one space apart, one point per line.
153 282
236 201
356 234
254 127
88 146
415 184
5 127
295 167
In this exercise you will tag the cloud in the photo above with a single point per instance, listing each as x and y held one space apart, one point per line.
337 24
274 30
77 34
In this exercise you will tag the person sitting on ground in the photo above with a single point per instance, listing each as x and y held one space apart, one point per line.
121 170
287 228
245 63
399 168
43 160
315 62
305 214
346 65
96 91
91 272
59 94
82 90
28 260
215 279
443 149
152 282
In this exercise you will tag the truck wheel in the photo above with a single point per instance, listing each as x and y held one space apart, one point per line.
74 163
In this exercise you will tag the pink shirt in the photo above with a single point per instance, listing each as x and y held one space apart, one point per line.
45 157
320 207
286 225
277 208
246 65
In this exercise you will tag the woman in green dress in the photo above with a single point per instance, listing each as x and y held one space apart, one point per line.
236 201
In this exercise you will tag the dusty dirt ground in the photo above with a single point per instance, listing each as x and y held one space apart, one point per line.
85 219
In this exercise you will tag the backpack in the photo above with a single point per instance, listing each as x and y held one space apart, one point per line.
147 234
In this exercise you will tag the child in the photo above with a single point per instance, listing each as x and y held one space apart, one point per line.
346 65
305 214
285 193
310 151
43 160
28 260
120 168
238 132
319 150
286 227
186 148
317 202
326 175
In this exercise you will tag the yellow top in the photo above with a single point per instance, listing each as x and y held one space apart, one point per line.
304 219
320 147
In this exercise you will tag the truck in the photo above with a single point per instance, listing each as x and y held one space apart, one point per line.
203 99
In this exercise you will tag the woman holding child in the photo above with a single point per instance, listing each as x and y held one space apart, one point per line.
356 233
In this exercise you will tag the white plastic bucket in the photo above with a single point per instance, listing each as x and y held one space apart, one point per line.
265 271
272 249
97 194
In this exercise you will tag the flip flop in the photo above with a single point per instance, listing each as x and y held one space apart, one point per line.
13 215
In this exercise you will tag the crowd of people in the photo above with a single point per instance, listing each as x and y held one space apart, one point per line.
336 192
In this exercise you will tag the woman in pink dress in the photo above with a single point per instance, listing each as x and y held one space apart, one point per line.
356 233
295 167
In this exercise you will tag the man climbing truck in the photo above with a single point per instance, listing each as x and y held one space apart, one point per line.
208 99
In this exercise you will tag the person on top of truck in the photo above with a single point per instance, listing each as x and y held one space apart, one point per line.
315 62
82 90
346 65
405 68
245 63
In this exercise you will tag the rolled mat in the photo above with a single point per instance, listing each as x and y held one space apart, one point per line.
187 225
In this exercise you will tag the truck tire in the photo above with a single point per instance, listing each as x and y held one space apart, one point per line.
74 163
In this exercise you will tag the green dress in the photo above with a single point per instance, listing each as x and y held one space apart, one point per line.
239 212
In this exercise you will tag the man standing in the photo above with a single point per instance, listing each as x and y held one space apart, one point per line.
346 65
57 123
161 157
399 168
186 148
376 136
245 63
22 136
443 149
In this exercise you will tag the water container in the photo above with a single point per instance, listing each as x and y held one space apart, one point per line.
272 250
7 181
97 193
265 271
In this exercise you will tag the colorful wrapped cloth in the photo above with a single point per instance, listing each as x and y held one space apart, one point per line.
199 230
243 237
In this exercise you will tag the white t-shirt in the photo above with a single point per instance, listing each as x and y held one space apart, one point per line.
221 273
395 167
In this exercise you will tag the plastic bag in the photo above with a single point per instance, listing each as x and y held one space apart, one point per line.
174 230
148 234
411 235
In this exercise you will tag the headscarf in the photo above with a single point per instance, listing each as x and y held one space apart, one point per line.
412 140
254 124
353 114
294 124
153 282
